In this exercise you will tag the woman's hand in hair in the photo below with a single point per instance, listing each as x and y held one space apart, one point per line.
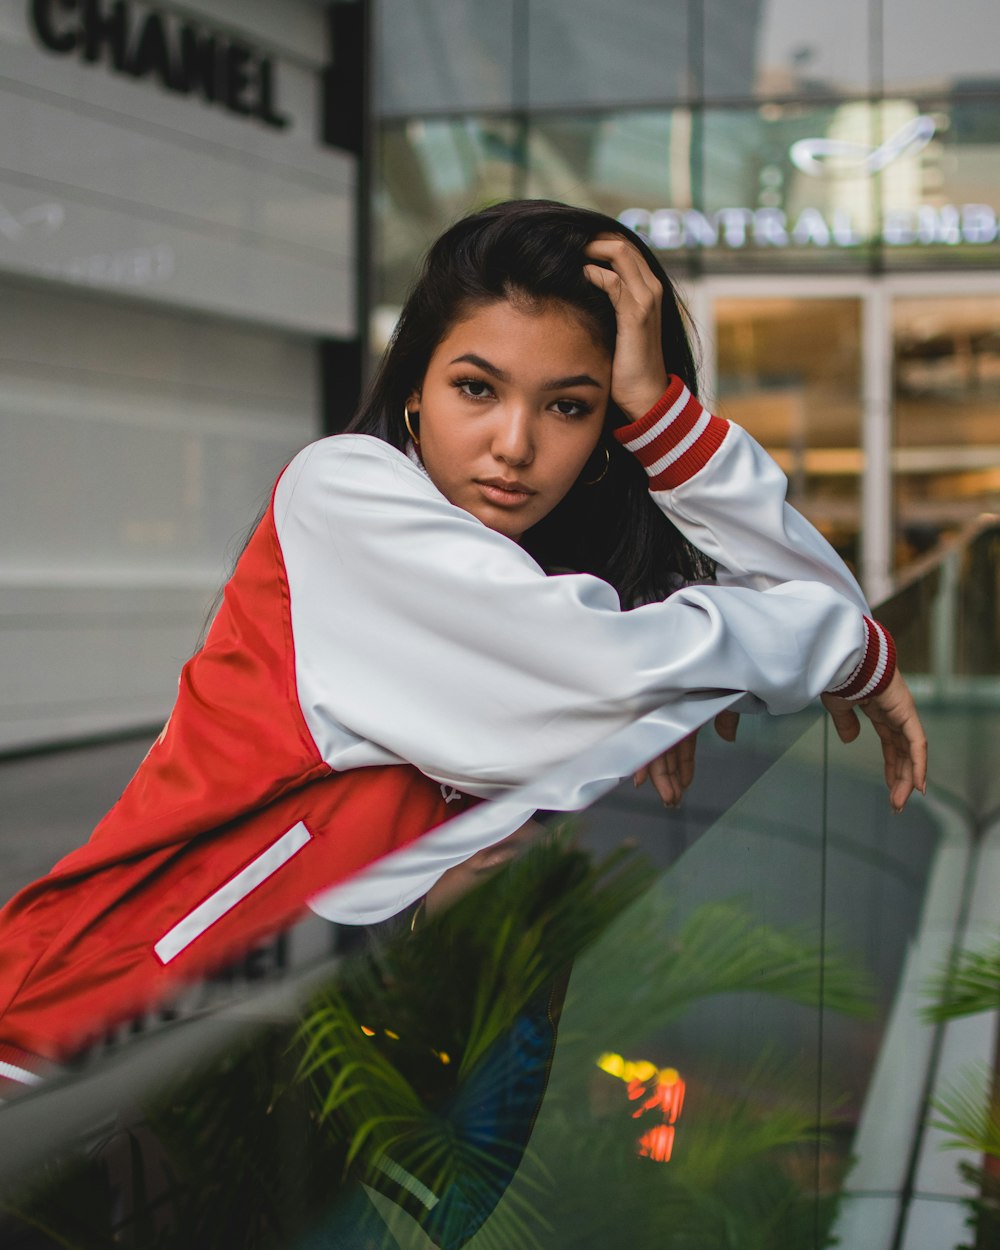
904 745
638 374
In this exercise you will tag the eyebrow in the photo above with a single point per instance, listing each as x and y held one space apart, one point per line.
553 384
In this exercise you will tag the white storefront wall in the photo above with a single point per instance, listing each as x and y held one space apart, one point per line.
166 266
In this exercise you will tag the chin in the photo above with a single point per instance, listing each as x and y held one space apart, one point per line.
506 525
515 535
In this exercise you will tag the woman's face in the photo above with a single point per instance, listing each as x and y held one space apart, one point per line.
511 409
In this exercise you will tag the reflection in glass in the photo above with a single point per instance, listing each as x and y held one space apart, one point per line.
416 1080
928 48
940 190
789 371
428 173
444 54
768 198
588 52
612 162
782 48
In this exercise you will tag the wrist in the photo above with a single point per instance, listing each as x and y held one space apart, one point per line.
644 398
675 438
876 668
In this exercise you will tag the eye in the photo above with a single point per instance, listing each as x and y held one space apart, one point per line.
474 388
572 408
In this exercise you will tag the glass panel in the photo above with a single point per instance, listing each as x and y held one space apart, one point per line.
929 48
651 1022
784 47
940 182
718 1014
613 163
946 355
789 371
428 173
717 1038
443 55
586 52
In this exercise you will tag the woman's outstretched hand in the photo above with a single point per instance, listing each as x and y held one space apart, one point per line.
904 744
892 713
638 374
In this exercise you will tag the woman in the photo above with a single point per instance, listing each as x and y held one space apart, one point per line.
430 613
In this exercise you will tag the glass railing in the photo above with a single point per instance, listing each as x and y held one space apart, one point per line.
700 1028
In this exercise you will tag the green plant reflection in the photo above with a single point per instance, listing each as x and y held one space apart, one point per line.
417 1103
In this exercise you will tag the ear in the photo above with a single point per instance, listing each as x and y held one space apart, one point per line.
413 399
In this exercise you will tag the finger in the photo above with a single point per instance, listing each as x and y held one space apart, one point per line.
639 777
917 741
664 776
904 744
910 745
605 280
897 764
685 761
628 296
726 724
845 721
626 258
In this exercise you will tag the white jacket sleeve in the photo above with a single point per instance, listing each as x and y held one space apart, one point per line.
727 496
421 631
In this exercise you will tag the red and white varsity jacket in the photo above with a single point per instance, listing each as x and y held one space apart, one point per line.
370 621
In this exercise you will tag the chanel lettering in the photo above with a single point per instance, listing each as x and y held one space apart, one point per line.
180 55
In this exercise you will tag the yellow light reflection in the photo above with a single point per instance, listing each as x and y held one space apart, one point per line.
658 1091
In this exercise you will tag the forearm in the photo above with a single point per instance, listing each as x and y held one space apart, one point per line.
418 629
728 498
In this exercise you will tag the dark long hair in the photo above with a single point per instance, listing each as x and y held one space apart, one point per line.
533 250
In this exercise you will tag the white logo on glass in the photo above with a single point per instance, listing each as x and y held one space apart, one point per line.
48 216
836 158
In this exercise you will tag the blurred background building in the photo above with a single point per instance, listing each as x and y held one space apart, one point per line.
822 181
197 263
178 261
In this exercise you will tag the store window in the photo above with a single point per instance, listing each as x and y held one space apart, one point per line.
758 195
946 383
429 173
612 161
789 371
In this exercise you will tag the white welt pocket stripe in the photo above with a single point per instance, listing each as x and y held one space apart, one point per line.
13 1073
228 896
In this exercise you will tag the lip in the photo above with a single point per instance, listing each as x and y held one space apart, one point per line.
508 492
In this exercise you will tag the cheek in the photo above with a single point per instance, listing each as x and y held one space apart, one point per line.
584 447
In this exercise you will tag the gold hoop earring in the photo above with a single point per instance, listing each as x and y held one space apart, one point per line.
406 422
604 472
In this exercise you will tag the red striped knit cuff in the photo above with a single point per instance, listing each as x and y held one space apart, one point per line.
675 439
877 665
19 1070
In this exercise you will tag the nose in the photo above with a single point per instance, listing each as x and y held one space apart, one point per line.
513 439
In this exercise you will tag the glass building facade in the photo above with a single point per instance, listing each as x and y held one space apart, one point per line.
824 186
